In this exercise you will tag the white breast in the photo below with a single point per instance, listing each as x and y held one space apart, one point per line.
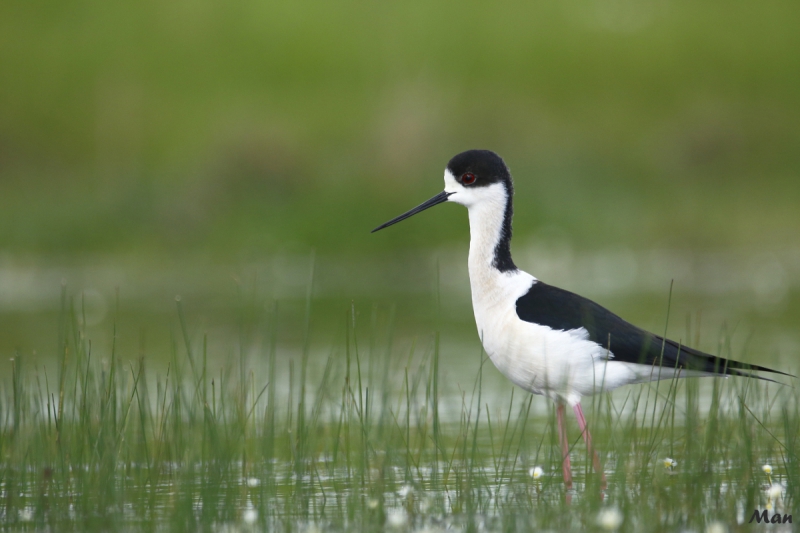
534 357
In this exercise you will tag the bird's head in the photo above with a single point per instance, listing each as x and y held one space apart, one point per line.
476 177
472 178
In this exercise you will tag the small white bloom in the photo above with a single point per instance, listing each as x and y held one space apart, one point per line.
716 527
250 516
775 491
253 482
396 519
373 503
767 469
26 514
536 472
405 491
670 463
610 518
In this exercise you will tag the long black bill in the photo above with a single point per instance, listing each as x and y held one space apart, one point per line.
439 198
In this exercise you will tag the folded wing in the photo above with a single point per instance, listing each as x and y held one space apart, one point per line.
556 308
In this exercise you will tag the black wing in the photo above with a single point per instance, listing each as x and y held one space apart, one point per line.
562 310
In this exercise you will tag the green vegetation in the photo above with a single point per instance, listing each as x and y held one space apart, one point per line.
369 439
210 148
259 126
163 149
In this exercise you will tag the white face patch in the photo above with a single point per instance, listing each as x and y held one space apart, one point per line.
471 196
450 183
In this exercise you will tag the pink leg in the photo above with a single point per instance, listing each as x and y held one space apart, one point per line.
562 436
588 438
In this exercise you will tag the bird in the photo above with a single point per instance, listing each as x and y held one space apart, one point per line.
547 340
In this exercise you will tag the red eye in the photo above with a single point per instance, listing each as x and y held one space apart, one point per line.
468 178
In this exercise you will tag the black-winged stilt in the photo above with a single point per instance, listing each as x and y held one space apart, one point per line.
544 339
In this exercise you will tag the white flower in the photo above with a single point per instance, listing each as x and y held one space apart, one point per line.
405 491
767 469
716 527
536 472
250 516
775 491
373 503
396 519
670 463
253 482
609 518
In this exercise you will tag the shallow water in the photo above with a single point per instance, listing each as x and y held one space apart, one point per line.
351 444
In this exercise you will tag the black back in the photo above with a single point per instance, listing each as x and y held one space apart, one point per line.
562 310
488 169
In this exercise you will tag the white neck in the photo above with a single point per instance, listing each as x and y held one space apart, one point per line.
485 228
494 293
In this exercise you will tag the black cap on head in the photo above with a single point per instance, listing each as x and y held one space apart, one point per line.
485 165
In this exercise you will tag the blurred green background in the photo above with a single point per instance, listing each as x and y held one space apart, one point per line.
209 148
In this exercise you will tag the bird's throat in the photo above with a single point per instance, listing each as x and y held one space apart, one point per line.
489 245
490 232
